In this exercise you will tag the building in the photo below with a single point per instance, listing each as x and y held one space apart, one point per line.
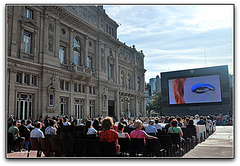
67 60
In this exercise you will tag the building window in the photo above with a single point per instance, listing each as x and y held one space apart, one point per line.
62 85
26 79
138 83
94 90
90 89
75 87
62 54
122 108
27 42
51 100
24 106
78 107
90 62
34 80
83 88
111 70
67 86
28 13
76 52
91 108
107 28
112 32
63 105
129 81
79 88
122 79
19 78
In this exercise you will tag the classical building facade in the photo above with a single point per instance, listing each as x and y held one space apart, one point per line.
67 60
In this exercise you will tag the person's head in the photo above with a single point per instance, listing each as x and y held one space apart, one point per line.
156 121
201 117
137 124
151 122
51 122
174 123
196 116
23 122
179 119
38 125
190 122
120 126
88 123
14 123
107 123
29 122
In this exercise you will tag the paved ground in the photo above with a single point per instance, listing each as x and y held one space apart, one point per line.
219 145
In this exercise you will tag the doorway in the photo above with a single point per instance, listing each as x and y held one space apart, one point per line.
111 108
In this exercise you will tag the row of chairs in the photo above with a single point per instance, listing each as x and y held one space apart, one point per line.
164 146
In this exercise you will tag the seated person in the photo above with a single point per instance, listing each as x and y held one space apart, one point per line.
122 134
150 129
90 129
108 134
191 125
37 133
24 132
201 121
138 133
157 125
17 140
50 130
175 129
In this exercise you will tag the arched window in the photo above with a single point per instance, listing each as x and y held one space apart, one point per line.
122 79
76 52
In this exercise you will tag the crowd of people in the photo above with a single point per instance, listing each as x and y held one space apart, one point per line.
106 128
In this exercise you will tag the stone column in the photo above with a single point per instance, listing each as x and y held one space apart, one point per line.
11 93
117 106
85 62
71 40
86 102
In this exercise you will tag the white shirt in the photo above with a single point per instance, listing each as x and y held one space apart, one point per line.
121 135
66 124
36 133
91 131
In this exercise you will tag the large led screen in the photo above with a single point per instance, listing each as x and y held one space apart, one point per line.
205 89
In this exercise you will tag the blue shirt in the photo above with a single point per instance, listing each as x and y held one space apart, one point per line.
150 129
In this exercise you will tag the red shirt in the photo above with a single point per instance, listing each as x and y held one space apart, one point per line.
109 136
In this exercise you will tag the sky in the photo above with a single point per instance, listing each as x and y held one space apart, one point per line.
177 37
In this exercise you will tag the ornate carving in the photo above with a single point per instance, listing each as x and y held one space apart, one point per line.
84 13
50 28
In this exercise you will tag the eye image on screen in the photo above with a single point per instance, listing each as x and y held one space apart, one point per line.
205 89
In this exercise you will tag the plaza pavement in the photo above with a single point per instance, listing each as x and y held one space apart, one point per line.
219 145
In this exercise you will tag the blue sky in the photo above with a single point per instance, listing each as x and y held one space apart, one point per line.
177 37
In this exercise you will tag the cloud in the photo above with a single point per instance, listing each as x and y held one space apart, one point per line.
173 37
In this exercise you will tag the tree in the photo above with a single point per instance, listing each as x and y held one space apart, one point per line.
157 104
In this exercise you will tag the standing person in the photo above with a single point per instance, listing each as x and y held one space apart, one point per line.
37 133
10 121
24 132
17 140
108 134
